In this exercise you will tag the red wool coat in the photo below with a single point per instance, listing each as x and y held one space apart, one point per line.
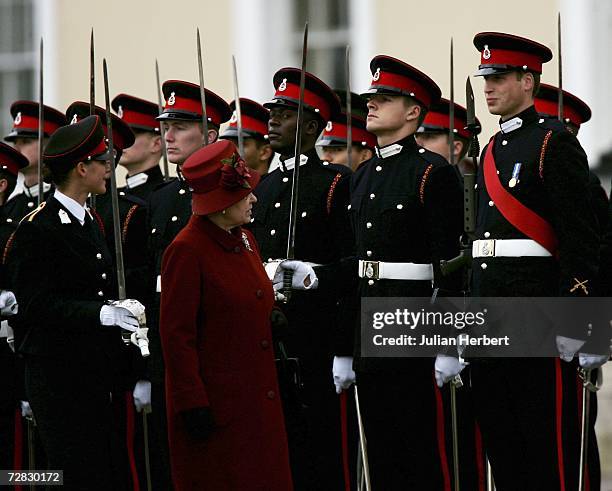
215 329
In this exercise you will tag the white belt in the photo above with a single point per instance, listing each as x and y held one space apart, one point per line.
379 270
508 248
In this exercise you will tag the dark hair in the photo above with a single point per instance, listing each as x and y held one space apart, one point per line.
11 180
536 80
411 101
58 174
313 116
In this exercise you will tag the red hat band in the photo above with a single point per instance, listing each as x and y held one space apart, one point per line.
551 108
292 91
512 58
23 121
178 103
137 118
249 124
358 135
442 120
406 85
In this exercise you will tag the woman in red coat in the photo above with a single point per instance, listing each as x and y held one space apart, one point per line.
225 420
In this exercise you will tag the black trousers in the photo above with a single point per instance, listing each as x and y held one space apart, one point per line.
72 408
529 414
405 426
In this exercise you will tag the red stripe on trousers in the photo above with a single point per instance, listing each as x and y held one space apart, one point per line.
344 431
129 438
440 431
559 421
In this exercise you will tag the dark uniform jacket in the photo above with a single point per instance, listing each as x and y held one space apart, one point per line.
23 203
144 183
406 206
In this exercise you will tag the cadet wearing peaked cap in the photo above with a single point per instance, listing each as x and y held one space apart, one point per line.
141 159
24 136
405 214
257 150
334 138
533 203
66 328
312 410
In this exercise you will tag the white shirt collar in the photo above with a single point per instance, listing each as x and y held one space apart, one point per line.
32 191
511 125
72 206
18 187
389 150
275 164
289 164
136 180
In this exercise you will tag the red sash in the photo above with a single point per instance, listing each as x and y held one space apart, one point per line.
527 221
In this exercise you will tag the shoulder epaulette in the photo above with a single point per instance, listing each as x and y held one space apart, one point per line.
30 216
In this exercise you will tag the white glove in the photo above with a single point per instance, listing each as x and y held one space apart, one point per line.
304 277
590 362
26 410
118 316
141 339
568 347
447 368
8 303
344 376
142 396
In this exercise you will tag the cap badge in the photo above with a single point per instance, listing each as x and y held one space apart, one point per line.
234 118
329 126
486 52
18 119
283 85
120 112
74 119
171 99
376 75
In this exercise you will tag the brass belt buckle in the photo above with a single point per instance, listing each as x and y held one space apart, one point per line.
486 248
371 269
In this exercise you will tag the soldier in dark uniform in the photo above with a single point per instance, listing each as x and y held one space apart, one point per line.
68 329
11 161
534 207
169 212
24 137
257 150
333 140
406 215
142 158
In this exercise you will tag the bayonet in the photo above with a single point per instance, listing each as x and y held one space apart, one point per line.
92 93
451 110
161 126
238 109
202 91
41 125
349 109
560 68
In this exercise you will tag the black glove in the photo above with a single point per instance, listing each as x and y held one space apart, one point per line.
279 324
198 422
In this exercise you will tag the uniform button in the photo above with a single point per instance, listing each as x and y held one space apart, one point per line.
100 293
252 220
265 344
487 235
378 168
121 193
497 173
483 265
399 206
369 225
181 191
272 232
259 293
325 162
98 256
9 220
421 150
541 120
348 207
103 275
491 203
370 282
475 186
271 394
30 204
276 205
269 259
304 214
372 196
369 253
285 179
237 249
174 218
504 142
153 230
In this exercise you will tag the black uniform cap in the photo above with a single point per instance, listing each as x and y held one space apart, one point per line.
25 120
137 113
254 120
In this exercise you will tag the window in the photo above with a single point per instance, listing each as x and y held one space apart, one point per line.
18 59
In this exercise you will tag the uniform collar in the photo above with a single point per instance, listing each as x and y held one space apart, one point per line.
289 164
75 209
228 240
526 117
395 148
32 191
19 187
136 180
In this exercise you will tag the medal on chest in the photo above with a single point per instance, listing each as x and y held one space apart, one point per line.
514 180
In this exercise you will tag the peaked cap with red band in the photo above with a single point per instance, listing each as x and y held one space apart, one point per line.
11 160
254 120
123 136
137 113
437 119
78 142
501 53
319 98
25 120
394 77
336 131
183 103
575 111
218 177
